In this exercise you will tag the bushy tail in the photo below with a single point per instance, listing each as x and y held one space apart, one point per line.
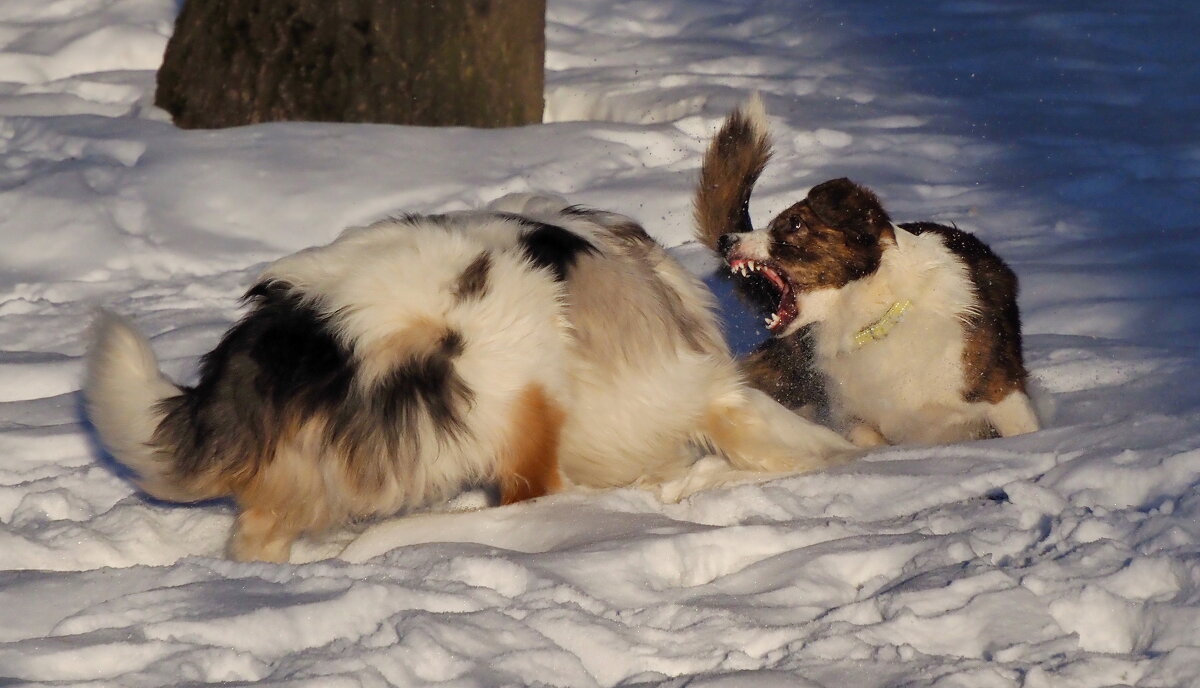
123 390
734 160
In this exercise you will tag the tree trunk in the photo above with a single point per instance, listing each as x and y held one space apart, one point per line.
473 63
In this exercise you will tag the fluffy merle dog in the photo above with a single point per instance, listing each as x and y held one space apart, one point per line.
907 333
532 346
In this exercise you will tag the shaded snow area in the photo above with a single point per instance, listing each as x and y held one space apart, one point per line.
1063 133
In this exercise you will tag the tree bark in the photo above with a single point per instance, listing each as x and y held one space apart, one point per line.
425 62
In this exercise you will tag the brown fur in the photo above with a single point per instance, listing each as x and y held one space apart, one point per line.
530 466
291 493
829 239
260 535
732 164
421 339
473 281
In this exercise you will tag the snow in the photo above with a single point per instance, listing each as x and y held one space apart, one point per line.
1062 133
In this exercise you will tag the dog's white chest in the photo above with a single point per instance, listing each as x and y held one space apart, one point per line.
907 385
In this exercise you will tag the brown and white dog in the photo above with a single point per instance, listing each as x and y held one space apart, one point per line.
532 345
913 329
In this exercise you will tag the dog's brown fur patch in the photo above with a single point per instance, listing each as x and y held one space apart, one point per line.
830 238
992 360
422 338
473 282
529 468
732 164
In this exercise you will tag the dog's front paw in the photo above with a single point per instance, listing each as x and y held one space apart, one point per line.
865 437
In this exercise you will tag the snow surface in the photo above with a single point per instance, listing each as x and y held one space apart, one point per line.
1064 133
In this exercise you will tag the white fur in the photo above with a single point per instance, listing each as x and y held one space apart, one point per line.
396 275
779 428
756 244
635 420
1013 415
755 112
121 388
908 386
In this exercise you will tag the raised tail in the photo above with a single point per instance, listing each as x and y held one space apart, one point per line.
124 391
734 160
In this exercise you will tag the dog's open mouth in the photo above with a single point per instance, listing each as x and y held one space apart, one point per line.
766 279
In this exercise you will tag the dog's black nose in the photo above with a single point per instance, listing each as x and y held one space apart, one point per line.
726 243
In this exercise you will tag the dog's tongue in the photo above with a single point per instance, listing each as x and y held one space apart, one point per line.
785 312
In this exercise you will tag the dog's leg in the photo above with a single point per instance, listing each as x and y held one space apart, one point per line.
261 535
707 473
783 368
1013 415
282 499
864 436
756 433
529 467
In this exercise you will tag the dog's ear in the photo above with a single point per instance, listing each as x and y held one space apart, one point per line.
843 204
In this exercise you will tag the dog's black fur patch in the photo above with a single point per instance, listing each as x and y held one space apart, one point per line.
553 247
283 363
783 368
582 211
384 420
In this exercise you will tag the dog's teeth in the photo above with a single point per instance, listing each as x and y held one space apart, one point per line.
753 266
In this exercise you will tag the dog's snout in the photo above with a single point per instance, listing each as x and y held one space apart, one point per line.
726 243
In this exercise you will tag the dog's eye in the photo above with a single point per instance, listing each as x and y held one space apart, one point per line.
796 224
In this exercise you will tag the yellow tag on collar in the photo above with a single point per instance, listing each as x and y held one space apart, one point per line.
882 327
